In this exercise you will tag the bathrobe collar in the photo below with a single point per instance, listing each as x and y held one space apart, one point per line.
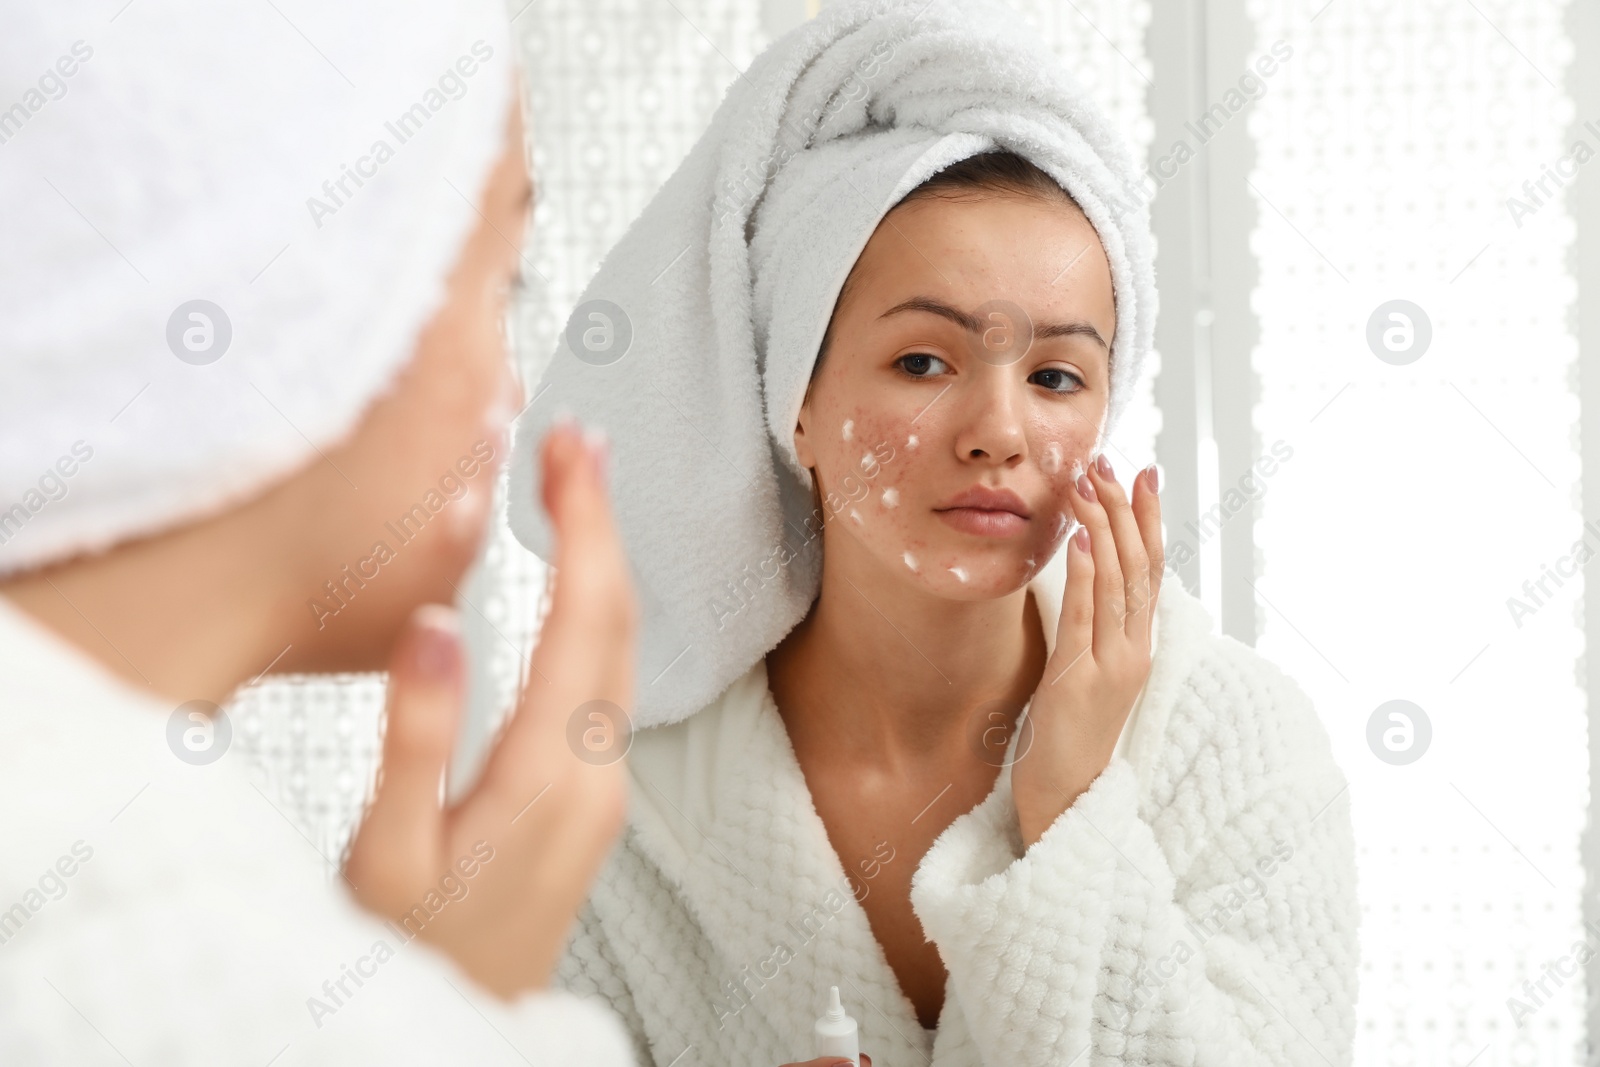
720 805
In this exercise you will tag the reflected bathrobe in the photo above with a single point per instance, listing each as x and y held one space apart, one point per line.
1197 905
156 912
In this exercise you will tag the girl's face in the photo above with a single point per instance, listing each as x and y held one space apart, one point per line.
966 374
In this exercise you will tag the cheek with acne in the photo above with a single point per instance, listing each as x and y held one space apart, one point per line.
864 469
885 450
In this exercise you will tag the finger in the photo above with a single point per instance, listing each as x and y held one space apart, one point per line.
592 584
1075 630
1129 542
1147 508
592 617
585 650
1108 591
401 831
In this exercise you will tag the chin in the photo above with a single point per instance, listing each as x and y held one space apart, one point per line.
967 575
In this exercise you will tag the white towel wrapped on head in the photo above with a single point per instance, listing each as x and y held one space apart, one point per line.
693 345
311 181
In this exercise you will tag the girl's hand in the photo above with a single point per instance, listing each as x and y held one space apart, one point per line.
1102 653
496 879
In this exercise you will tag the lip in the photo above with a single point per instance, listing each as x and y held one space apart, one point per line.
986 512
982 498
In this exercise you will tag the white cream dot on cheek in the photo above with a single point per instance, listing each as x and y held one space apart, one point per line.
1061 523
960 573
1050 462
849 429
891 497
855 516
911 562
911 442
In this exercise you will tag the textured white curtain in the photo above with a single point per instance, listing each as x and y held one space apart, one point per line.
1434 471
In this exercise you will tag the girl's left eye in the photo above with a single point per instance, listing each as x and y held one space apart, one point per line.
1057 381
921 365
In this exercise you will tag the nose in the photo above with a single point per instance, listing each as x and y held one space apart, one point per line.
992 430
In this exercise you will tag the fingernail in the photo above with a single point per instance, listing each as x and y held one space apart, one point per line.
1081 538
436 651
1086 488
1103 465
599 446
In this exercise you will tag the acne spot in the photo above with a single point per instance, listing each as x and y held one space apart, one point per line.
891 497
911 442
1051 462
960 573
849 430
911 562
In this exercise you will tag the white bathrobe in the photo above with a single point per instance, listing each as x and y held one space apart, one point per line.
1197 905
153 912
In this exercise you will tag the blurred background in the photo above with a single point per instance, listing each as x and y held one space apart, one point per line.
1374 223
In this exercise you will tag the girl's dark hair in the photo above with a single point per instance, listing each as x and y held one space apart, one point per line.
991 172
968 179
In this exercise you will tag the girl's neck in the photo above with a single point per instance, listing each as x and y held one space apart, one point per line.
884 673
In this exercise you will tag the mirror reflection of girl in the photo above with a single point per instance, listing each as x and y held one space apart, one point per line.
924 608
1147 866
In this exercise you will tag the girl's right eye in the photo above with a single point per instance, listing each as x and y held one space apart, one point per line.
921 365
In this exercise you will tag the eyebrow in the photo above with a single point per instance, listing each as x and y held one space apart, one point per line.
972 324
